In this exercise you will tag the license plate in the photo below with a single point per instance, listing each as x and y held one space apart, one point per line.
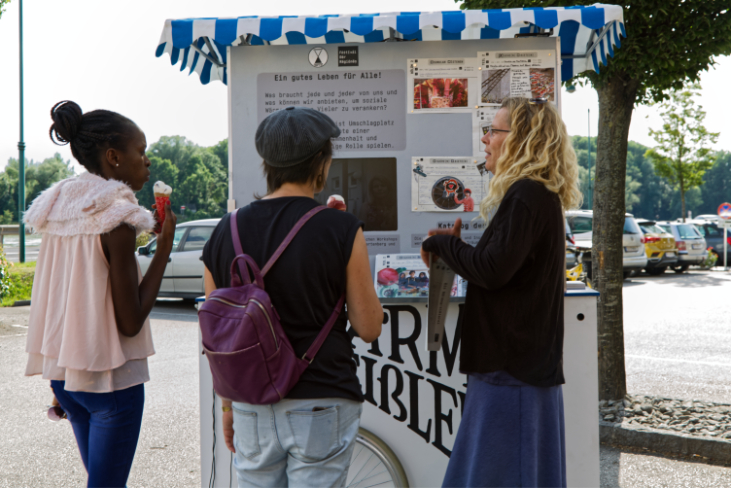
670 254
632 248
697 246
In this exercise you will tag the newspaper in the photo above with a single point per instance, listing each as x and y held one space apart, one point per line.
441 278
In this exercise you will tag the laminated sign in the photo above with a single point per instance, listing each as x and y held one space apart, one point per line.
529 74
447 184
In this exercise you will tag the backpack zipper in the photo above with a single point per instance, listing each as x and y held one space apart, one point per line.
269 321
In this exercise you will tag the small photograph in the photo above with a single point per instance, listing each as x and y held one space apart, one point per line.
440 93
542 83
448 193
495 85
402 282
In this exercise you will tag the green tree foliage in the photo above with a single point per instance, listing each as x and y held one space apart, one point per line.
3 3
716 188
38 177
669 43
655 198
683 155
198 176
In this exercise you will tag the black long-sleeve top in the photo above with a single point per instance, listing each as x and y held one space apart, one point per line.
513 313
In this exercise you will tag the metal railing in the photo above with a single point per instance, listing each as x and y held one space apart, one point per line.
11 230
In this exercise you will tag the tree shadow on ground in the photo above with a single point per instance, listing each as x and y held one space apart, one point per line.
689 279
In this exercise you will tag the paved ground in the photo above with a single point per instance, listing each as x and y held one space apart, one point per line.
677 342
678 335
35 452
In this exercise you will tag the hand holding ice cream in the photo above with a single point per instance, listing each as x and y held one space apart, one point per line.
162 197
337 202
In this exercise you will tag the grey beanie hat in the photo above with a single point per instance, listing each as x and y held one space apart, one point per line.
293 135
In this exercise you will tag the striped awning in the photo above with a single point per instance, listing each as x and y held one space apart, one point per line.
589 34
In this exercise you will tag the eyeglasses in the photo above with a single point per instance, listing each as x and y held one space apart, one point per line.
491 132
538 101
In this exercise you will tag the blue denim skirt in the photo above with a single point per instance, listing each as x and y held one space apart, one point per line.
511 435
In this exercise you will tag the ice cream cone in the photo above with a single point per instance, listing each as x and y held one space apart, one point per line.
160 201
162 198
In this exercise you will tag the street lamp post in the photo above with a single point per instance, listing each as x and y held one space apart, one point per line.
21 149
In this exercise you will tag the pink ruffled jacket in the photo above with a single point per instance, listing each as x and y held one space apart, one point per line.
72 331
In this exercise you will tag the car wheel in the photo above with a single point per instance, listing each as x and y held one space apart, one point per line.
681 269
655 271
626 274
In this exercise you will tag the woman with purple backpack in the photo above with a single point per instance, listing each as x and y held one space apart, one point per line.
304 437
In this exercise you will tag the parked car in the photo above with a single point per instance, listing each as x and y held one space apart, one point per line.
570 247
633 253
711 217
689 244
183 276
712 232
659 246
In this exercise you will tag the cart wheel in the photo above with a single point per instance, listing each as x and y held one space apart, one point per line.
374 464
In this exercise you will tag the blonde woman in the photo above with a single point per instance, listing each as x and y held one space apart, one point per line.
512 430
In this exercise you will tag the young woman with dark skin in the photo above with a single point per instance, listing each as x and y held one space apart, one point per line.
133 302
89 331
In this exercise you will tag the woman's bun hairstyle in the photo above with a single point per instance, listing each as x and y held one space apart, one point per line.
89 134
66 117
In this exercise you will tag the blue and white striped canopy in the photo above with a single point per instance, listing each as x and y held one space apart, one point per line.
589 34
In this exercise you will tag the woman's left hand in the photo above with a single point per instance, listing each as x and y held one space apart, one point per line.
455 231
228 430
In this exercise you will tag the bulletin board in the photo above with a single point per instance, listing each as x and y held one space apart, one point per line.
411 114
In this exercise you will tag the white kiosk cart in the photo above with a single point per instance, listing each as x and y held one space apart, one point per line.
408 159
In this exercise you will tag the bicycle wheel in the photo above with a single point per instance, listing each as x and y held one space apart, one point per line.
374 464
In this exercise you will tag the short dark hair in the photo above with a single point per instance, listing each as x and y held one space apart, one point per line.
303 172
89 134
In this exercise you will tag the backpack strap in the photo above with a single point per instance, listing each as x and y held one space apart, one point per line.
243 270
309 356
292 233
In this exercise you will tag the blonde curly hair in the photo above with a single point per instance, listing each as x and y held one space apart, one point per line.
537 148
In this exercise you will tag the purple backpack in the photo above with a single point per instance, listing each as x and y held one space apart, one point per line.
250 357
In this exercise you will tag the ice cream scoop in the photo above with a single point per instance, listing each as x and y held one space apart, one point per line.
337 202
162 197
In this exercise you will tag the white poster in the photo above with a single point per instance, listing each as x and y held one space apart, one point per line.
442 85
447 184
529 74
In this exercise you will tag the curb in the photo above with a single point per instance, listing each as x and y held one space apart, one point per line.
710 451
21 303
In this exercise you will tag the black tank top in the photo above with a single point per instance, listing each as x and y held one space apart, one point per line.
304 285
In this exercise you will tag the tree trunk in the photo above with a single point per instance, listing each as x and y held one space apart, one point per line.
617 97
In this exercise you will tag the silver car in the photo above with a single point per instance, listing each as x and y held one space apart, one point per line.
633 255
689 242
183 276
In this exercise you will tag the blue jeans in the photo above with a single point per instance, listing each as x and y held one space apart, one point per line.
295 443
106 426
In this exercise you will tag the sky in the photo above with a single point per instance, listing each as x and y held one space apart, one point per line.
101 54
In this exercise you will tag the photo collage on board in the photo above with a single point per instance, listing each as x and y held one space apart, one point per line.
477 86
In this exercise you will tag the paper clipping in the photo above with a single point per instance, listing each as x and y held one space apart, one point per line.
529 74
442 85
440 285
406 275
447 184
